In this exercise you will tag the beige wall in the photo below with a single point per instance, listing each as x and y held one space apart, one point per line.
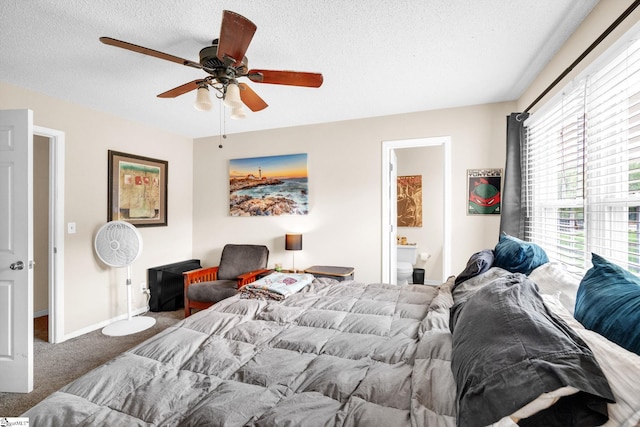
41 223
344 226
344 223
94 293
429 238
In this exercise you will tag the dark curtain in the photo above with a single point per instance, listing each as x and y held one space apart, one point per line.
512 219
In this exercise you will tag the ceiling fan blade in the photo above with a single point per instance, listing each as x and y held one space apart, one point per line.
251 99
182 89
147 51
291 78
236 33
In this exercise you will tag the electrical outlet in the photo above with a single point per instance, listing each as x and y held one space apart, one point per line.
143 287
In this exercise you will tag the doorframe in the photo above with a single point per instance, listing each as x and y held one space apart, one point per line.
56 231
387 148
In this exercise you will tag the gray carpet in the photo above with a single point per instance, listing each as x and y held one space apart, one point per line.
55 365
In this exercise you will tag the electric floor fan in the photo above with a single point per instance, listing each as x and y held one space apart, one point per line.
119 244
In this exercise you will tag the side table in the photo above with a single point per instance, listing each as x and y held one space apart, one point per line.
333 272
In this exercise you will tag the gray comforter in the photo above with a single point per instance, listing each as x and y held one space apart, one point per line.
333 354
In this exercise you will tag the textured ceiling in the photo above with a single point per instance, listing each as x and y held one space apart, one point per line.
378 57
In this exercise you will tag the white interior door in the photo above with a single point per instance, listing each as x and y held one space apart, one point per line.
16 251
393 217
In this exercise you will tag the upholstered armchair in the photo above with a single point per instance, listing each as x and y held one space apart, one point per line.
239 265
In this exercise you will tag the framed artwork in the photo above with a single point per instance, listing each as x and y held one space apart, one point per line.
410 201
269 186
137 189
483 191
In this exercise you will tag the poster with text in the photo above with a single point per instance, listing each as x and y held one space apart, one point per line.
483 191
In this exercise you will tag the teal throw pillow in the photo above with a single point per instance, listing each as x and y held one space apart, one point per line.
518 256
608 302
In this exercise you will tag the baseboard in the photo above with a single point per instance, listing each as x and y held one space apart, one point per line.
41 313
101 325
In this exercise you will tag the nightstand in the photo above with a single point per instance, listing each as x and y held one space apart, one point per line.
333 272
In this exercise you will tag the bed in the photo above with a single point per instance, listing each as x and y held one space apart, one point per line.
354 354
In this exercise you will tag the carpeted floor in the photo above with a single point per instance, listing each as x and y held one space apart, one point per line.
55 365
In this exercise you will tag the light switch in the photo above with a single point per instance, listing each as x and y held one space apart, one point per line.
71 228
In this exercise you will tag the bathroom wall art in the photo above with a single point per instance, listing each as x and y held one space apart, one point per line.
410 201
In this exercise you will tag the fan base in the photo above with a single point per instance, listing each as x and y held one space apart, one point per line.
129 326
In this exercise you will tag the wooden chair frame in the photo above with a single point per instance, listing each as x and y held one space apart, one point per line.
209 274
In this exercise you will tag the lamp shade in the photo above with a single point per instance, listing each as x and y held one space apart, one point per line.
203 102
238 113
293 242
232 96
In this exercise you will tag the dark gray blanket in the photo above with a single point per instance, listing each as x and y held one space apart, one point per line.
508 349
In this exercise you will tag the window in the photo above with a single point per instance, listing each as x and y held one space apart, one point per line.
582 167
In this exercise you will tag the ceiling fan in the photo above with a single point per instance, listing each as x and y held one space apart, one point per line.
225 63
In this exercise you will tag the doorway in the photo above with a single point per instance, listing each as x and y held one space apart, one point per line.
389 200
49 234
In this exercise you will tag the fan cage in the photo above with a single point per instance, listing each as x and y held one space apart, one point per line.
118 244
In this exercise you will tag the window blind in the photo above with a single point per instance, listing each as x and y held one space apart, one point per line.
582 168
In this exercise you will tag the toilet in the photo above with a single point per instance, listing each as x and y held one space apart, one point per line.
407 257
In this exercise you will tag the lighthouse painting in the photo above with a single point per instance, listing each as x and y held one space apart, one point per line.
269 186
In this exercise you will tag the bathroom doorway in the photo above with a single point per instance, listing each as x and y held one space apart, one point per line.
433 238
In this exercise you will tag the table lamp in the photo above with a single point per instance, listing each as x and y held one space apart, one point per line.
293 242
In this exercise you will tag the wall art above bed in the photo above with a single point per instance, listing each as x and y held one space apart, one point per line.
269 186
137 190
483 191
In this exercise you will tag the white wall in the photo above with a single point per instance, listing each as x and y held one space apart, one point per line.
343 226
94 293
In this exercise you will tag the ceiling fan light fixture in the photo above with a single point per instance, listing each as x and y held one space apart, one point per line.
232 96
203 101
225 62
238 113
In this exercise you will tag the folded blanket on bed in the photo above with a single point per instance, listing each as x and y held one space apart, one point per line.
509 349
276 286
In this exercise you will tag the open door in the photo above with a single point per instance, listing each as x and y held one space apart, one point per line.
393 217
16 251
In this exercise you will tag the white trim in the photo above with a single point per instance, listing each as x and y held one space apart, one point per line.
387 147
56 231
104 323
